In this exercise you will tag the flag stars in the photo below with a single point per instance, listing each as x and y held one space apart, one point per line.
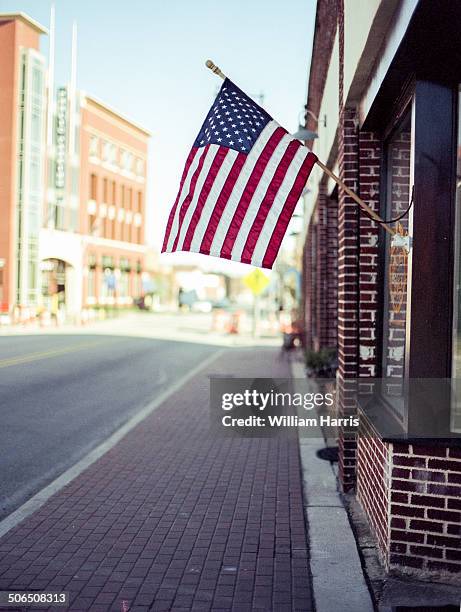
233 121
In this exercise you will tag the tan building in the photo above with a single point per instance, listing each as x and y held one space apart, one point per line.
93 247
22 159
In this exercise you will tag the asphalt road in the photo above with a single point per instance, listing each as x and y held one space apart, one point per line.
61 395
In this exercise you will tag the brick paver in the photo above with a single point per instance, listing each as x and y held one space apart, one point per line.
174 517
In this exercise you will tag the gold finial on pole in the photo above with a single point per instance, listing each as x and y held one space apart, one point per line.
209 64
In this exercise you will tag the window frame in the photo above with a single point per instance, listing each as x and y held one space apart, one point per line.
429 329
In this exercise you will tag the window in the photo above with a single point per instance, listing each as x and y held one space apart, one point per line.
397 188
94 146
113 155
139 201
91 283
126 161
139 167
114 193
456 359
105 191
106 150
93 187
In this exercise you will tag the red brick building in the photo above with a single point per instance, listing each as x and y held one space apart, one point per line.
22 158
384 97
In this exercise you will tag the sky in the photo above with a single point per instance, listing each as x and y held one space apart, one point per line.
145 58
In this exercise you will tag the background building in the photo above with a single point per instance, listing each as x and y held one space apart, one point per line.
94 243
73 188
22 160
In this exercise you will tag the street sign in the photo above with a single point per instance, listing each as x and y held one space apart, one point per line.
257 281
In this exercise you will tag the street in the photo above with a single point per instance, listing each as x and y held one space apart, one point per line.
63 393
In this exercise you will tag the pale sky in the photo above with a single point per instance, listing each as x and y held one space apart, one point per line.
146 59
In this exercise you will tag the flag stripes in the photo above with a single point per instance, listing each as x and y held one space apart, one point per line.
235 201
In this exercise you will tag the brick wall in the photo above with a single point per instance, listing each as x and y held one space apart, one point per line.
369 177
425 511
309 285
373 480
331 264
348 285
411 494
321 271
320 275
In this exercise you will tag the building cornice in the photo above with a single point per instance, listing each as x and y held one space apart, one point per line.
25 19
322 48
93 101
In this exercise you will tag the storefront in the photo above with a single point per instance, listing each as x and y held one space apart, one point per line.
396 142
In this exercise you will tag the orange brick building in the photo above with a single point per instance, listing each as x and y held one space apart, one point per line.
113 204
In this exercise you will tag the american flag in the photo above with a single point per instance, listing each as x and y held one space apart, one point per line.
242 180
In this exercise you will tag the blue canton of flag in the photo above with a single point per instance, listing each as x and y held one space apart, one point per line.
234 121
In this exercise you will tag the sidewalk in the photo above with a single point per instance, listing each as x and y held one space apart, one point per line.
175 518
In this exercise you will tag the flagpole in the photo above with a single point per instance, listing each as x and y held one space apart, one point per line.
356 198
209 64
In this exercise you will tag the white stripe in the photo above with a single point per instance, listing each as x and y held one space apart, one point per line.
184 192
212 198
258 196
277 207
211 154
239 187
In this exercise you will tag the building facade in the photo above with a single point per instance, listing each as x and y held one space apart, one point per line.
384 98
73 189
22 159
93 246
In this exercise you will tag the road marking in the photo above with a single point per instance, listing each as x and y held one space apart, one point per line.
5 363
40 498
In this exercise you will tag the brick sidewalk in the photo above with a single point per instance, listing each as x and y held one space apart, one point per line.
175 518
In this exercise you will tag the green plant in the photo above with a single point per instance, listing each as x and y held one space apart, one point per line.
322 362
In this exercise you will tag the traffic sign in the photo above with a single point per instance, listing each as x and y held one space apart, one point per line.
257 281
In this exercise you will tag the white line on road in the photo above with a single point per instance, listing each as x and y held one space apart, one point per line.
39 499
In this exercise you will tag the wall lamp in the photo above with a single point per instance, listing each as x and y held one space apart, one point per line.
303 133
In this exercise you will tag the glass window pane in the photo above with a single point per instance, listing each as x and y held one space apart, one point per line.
456 361
398 193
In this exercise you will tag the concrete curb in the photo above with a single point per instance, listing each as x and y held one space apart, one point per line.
338 581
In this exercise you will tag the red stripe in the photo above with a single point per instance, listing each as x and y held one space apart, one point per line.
207 185
268 199
187 200
249 190
287 211
189 159
221 202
